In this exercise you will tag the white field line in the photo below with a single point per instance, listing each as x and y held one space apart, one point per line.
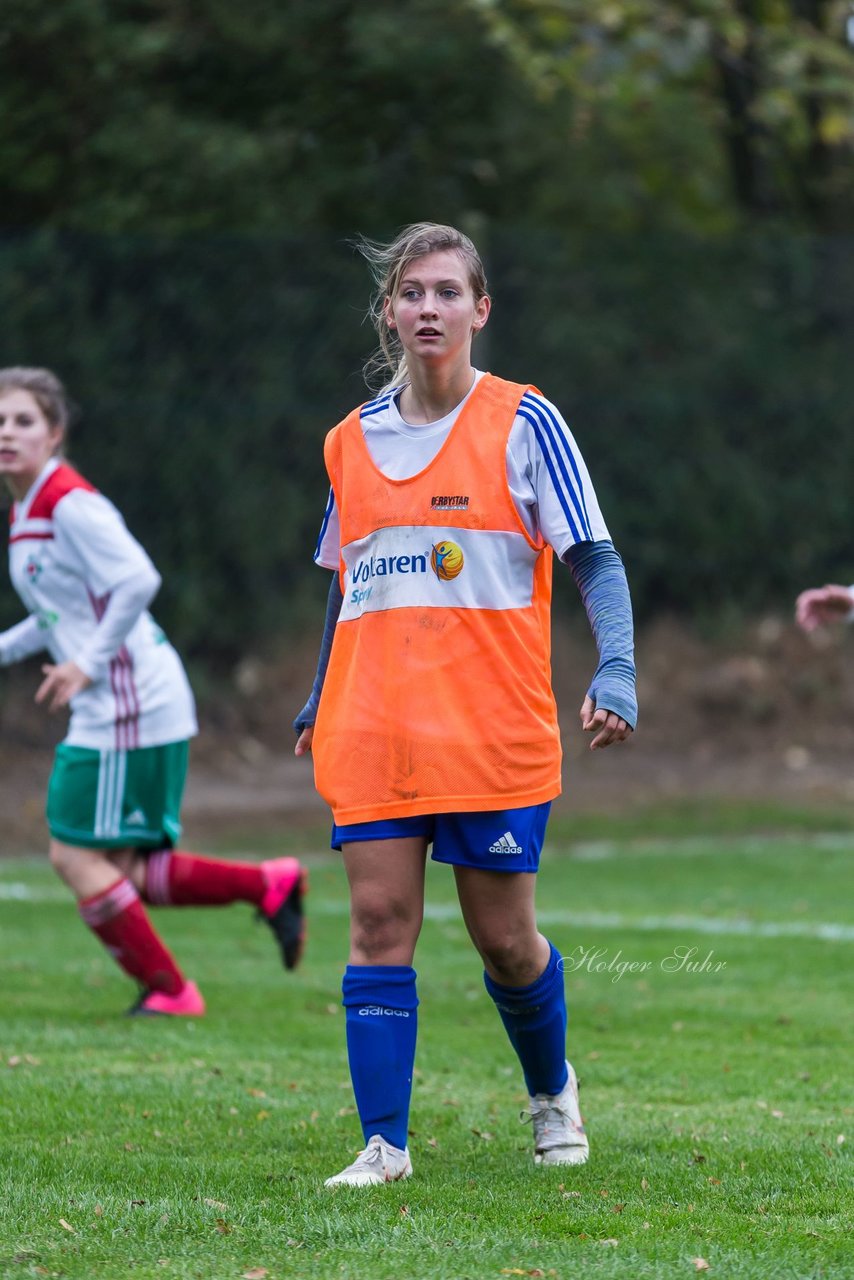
704 846
440 912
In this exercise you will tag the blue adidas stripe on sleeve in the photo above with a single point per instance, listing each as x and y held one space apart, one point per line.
571 498
330 506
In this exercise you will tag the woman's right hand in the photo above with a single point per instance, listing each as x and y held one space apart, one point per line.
823 605
304 741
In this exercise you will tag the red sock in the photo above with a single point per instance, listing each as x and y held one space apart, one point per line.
177 879
119 919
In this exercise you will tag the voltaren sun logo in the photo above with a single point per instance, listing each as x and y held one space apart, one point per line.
446 561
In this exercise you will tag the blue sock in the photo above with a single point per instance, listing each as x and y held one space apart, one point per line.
382 1024
534 1018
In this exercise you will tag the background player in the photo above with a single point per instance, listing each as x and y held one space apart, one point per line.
435 718
115 791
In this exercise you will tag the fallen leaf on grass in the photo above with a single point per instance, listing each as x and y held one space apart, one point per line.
778 1115
404 1210
257 1273
222 1227
610 1240
256 1093
486 1137
700 1264
99 1211
716 1182
617 1208
215 1204
644 1185
66 1226
431 1142
840 1138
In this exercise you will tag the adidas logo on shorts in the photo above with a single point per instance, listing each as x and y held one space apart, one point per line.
506 844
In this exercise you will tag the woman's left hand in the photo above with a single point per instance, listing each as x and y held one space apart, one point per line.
61 684
606 725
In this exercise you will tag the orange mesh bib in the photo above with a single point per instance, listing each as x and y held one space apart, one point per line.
438 693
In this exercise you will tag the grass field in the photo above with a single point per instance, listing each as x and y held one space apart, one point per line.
718 1100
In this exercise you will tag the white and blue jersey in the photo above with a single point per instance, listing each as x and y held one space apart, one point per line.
548 480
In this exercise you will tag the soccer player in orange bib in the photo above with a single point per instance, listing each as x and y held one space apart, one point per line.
113 805
432 719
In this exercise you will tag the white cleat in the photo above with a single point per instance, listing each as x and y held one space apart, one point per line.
559 1136
379 1162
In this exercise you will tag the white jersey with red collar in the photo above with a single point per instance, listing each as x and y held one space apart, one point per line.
69 549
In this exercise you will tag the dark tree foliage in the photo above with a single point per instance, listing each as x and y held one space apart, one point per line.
170 116
663 190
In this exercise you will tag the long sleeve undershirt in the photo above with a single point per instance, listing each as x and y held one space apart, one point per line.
601 580
334 601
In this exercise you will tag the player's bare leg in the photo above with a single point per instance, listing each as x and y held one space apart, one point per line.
524 976
109 903
387 908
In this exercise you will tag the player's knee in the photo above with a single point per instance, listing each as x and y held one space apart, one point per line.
508 956
380 927
67 861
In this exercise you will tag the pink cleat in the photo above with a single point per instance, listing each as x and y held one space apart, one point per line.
188 1003
282 906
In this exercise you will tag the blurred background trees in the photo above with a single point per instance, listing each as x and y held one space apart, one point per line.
663 190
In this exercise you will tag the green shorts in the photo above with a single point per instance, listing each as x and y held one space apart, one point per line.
114 799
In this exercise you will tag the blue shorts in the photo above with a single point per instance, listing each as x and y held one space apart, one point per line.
499 840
